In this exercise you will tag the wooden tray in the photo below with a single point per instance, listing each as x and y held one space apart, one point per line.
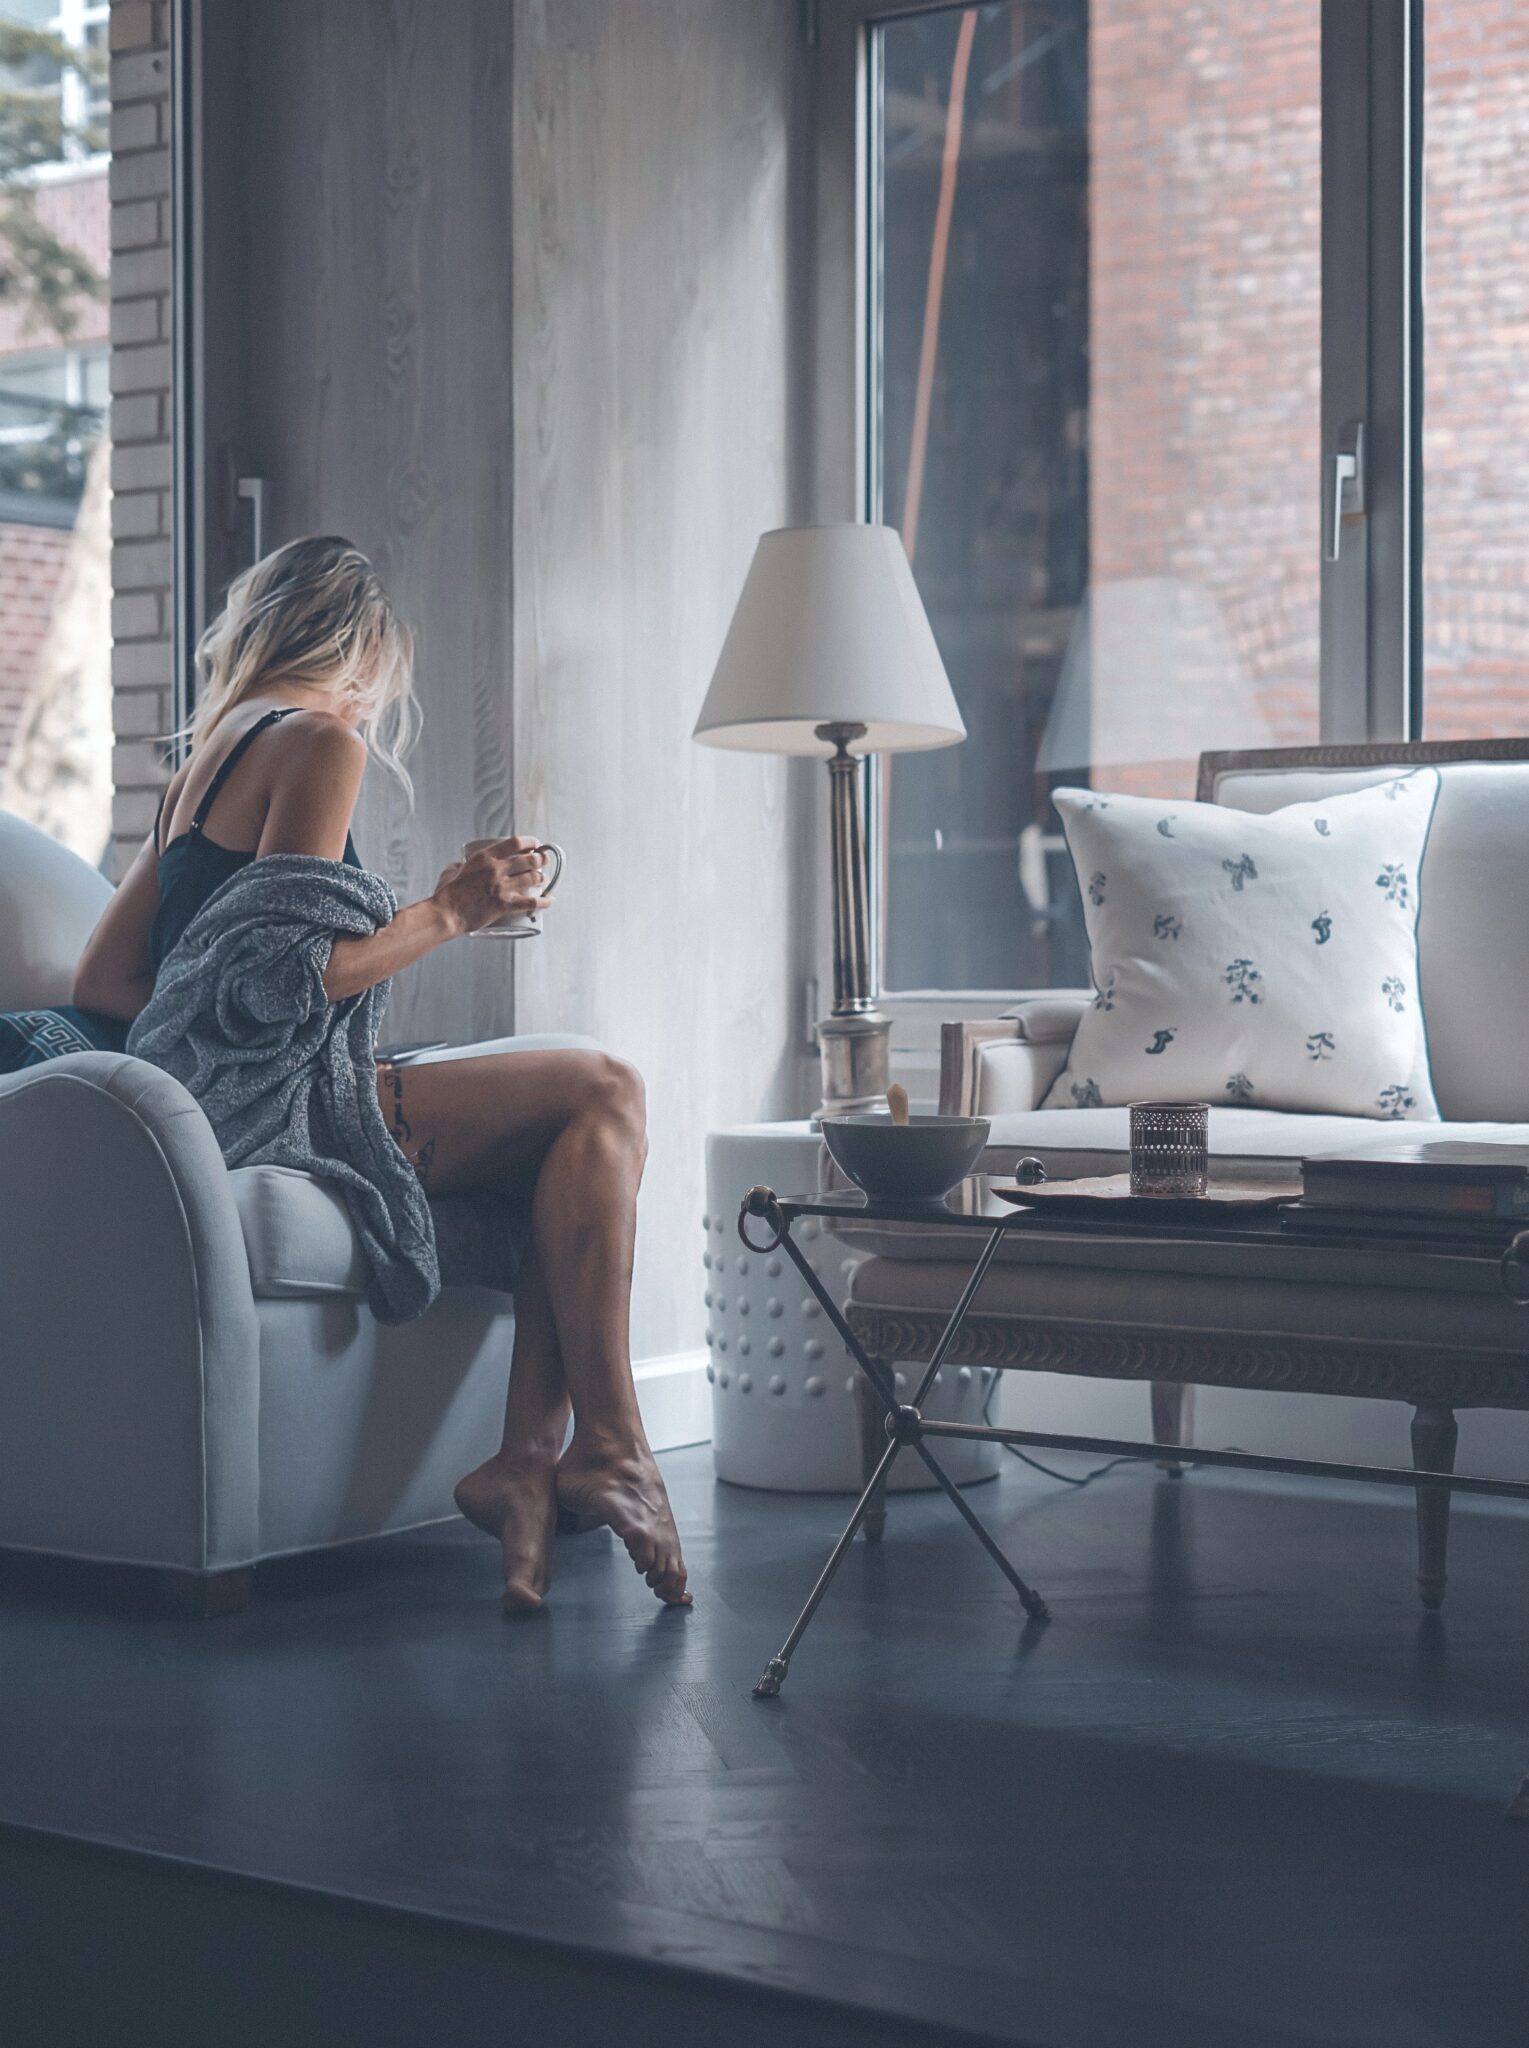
1110 1194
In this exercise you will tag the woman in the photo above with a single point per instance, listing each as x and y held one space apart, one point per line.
306 671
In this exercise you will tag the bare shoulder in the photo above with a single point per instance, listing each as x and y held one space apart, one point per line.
320 737
316 765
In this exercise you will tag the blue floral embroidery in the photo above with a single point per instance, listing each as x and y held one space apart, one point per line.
1394 989
1096 889
1321 825
1240 1088
1393 880
1165 825
1395 1100
1244 980
1166 927
1322 925
1320 1045
1241 871
1086 1095
1161 1040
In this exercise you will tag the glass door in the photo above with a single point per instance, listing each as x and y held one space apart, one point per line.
1137 321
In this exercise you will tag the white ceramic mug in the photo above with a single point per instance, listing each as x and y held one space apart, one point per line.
524 924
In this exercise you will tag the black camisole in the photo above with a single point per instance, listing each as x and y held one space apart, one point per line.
192 868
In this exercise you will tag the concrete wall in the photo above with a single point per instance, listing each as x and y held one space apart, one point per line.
511 295
660 247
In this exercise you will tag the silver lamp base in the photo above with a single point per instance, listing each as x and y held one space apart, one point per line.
855 1051
854 1038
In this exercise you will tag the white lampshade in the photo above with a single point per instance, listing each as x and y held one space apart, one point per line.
829 629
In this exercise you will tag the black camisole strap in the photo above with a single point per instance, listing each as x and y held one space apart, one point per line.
227 767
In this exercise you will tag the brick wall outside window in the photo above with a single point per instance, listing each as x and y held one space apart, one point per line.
140 414
1205 277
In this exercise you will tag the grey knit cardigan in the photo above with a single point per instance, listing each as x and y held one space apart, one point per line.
285 1077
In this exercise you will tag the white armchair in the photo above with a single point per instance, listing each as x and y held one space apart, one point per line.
190 1376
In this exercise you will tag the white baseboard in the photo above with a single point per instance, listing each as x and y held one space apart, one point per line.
675 1399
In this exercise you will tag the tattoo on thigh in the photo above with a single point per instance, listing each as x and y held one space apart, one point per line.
401 1127
423 1160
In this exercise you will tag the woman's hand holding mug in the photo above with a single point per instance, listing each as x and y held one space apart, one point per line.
499 887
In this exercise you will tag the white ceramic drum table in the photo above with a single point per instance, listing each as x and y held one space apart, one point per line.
786 1397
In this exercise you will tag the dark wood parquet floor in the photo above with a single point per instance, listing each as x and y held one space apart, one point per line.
1239 1792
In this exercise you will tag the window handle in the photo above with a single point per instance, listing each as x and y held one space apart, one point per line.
252 488
1343 496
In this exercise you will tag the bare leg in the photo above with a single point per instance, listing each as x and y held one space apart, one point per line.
513 1495
569 1126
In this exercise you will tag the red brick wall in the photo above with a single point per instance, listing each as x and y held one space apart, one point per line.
1205 340
1205 281
31 562
1476 369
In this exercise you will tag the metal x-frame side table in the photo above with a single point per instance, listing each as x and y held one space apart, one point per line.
971 1206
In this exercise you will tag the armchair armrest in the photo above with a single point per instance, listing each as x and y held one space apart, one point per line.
1008 1063
129 1400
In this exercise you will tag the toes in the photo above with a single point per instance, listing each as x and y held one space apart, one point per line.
668 1582
519 1600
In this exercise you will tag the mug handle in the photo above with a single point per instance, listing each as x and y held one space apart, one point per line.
557 854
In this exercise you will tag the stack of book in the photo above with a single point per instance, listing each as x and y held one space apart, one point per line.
1439 1189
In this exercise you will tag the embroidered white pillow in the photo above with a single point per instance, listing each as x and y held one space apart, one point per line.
1239 958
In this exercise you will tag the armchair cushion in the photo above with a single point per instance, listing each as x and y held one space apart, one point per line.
301 1245
297 1233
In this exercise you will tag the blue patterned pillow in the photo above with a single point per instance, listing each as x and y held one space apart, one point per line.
28 1037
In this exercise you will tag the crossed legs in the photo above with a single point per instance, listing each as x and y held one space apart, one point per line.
569 1129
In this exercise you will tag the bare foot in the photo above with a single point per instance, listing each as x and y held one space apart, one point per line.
622 1489
517 1502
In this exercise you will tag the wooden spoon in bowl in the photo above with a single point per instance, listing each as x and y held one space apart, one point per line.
897 1102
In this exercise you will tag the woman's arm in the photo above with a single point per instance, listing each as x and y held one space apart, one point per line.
115 976
501 880
310 812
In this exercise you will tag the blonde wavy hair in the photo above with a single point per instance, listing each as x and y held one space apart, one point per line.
314 612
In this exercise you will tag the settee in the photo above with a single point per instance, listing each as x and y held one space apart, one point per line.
1393 1321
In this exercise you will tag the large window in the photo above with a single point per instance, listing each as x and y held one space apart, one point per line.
1134 274
55 495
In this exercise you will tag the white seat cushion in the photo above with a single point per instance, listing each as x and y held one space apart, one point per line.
297 1234
1076 1142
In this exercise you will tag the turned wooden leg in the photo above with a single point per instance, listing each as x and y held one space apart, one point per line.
205 1596
1435 1433
1173 1419
873 1441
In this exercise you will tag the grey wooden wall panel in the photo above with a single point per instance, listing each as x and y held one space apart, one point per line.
657 219
376 385
525 305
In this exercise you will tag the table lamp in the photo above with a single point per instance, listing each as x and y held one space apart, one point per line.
830 653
